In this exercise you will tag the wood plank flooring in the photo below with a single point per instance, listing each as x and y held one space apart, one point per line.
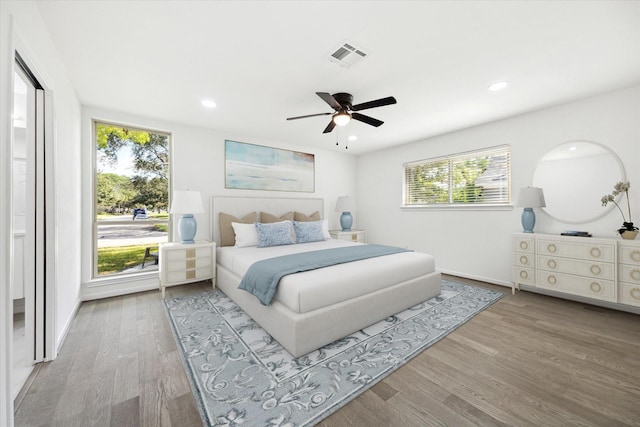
528 360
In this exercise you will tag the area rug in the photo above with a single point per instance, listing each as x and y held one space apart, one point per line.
242 376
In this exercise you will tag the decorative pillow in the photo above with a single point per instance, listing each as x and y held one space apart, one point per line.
274 234
227 236
300 217
325 229
309 231
267 218
246 234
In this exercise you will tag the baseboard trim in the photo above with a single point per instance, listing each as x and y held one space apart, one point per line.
97 293
475 277
65 330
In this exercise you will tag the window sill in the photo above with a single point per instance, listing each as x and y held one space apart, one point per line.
121 279
453 207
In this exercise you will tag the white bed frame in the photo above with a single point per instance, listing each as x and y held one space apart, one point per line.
301 333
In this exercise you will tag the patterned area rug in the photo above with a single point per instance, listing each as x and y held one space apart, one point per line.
240 375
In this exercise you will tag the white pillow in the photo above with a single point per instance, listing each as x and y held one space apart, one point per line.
325 229
246 234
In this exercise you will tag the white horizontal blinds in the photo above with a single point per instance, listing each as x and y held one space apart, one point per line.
474 178
427 183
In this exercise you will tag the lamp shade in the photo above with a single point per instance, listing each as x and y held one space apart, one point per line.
531 197
186 202
346 204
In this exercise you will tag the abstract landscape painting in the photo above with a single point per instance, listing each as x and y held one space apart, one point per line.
256 167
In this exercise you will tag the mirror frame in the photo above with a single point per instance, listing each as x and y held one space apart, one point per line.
605 210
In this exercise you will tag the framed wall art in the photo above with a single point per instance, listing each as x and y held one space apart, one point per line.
256 167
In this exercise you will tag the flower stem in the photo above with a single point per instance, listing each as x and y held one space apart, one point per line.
621 213
628 205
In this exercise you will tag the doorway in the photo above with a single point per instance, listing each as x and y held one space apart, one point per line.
28 225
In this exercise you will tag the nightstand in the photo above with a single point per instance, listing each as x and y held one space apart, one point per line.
352 236
186 263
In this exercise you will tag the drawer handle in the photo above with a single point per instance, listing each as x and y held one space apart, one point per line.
552 279
552 264
191 274
635 274
596 270
551 247
524 274
524 245
635 293
191 253
595 252
635 255
595 287
524 260
190 263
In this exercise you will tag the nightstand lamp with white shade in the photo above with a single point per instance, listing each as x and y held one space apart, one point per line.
346 205
187 203
529 198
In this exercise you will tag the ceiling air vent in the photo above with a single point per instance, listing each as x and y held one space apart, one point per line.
347 54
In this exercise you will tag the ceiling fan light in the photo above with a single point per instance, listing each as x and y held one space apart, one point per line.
342 118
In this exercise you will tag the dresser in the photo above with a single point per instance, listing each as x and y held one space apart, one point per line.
351 235
595 268
186 262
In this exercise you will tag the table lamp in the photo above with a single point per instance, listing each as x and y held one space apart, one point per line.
346 205
529 198
187 203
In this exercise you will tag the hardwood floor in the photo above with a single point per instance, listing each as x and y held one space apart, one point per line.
528 360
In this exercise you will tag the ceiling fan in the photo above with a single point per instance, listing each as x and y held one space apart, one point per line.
342 103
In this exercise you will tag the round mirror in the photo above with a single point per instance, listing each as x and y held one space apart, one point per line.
574 176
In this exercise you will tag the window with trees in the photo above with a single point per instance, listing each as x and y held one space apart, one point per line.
475 178
131 198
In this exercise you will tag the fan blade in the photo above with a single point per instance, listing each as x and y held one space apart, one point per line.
373 104
329 127
366 119
310 115
329 99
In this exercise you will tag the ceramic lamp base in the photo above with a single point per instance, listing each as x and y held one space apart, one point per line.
187 228
528 220
346 221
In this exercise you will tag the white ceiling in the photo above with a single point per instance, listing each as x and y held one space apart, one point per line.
263 61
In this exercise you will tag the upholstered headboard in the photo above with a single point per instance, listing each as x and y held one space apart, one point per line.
241 206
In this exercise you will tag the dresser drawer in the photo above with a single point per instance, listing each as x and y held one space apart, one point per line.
577 285
629 294
525 276
183 254
600 270
629 255
524 244
629 273
522 259
598 252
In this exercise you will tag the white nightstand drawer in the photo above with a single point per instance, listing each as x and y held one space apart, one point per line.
189 275
600 270
585 286
188 253
586 251
188 263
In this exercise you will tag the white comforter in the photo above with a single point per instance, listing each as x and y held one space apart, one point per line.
310 290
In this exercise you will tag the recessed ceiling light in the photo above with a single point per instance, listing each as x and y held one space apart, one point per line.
352 137
573 148
208 103
498 86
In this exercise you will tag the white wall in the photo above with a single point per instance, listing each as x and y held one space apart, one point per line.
474 243
198 164
29 37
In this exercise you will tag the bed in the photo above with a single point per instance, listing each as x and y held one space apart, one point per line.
313 308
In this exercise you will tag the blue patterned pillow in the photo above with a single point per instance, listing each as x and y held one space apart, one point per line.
308 231
274 234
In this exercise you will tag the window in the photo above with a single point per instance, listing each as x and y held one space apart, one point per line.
477 178
131 199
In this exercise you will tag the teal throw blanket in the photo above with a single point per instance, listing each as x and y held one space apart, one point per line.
262 278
